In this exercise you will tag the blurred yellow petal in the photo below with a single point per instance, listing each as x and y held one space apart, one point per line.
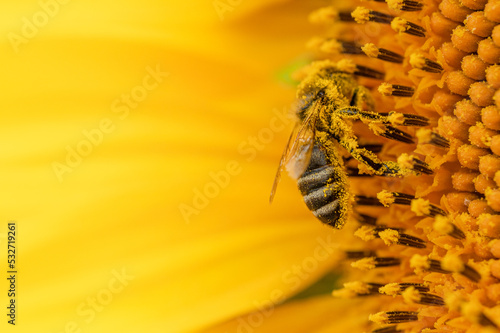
320 314
115 115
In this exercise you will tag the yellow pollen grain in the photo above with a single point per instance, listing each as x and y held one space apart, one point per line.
399 24
396 118
386 198
365 233
424 135
411 295
389 236
406 160
346 65
370 50
321 82
332 92
358 287
452 263
419 263
385 89
395 4
351 144
331 46
364 170
420 207
417 60
361 15
442 224
364 264
324 15
391 289
378 318
378 129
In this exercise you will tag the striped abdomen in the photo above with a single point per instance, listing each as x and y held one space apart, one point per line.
324 189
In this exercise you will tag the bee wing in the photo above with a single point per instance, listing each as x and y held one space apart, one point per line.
301 151
297 152
283 161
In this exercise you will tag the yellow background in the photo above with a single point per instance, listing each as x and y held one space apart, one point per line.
118 210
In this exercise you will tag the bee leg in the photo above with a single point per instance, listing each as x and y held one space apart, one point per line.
392 118
373 147
404 119
383 123
354 112
378 123
382 168
353 171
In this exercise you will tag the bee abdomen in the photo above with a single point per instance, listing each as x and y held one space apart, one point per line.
321 187
316 178
319 197
324 202
329 213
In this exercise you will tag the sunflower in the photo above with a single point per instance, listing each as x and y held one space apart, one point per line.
139 145
420 250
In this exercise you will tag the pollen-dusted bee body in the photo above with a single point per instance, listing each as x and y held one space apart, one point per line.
328 96
324 188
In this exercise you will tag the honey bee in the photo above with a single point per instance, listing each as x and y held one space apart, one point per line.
328 98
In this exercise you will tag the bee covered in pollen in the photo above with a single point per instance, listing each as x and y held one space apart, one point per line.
328 96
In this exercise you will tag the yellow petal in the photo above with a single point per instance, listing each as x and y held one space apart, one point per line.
320 314
103 245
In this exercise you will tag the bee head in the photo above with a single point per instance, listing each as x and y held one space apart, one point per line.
310 95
